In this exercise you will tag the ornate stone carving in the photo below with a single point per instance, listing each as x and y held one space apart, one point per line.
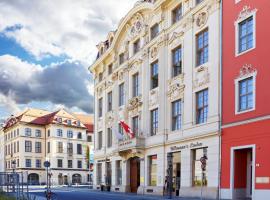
201 19
245 12
100 124
109 118
137 26
101 88
162 39
134 103
153 97
154 52
114 76
175 35
202 77
247 70
134 65
176 87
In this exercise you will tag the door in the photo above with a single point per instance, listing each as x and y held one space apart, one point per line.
134 174
249 174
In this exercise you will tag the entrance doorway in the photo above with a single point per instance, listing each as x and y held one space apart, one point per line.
33 179
176 173
134 174
243 173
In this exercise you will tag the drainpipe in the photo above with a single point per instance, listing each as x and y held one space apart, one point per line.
220 96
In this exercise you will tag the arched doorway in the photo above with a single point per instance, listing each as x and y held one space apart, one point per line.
134 172
65 180
33 179
76 179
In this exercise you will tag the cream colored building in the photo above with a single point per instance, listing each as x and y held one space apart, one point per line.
2 147
159 72
36 136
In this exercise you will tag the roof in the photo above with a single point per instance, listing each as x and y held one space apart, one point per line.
87 120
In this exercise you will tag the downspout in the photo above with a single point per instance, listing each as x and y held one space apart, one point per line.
220 95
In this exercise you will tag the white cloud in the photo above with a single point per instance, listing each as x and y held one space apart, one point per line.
63 26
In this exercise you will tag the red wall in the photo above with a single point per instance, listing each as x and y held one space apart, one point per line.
254 133
259 58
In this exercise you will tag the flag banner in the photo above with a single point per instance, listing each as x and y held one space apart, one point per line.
127 129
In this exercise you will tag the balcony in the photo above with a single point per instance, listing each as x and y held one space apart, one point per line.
130 144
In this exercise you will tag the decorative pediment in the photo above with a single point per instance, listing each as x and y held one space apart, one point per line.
136 26
153 97
245 12
109 118
154 52
176 87
175 35
246 71
134 64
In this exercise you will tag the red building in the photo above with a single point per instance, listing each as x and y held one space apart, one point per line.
245 161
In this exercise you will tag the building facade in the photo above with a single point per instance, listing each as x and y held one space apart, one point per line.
245 112
36 136
2 150
159 72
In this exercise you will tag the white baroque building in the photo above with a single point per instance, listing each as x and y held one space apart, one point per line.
159 72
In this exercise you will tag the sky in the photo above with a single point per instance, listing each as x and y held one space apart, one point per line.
46 47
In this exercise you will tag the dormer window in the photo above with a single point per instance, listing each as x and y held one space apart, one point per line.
136 46
78 123
59 120
69 122
100 76
154 31
121 58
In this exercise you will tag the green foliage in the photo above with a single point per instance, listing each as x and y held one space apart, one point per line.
5 197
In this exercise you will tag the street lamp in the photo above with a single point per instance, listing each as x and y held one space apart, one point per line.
13 165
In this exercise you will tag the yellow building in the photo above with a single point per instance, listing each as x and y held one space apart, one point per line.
35 136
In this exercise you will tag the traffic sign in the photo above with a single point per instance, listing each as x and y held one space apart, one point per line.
47 164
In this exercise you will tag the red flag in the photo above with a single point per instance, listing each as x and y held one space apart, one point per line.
127 129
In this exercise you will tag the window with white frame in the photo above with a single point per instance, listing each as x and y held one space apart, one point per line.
245 31
245 89
28 131
109 137
121 95
59 132
38 133
176 115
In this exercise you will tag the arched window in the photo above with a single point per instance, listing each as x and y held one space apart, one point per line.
79 135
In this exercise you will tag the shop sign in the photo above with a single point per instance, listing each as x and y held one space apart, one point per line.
263 180
104 160
190 146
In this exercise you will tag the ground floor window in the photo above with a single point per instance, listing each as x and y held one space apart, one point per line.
99 173
108 173
198 176
153 170
118 172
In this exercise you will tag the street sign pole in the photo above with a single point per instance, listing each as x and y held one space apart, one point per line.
47 164
170 175
203 167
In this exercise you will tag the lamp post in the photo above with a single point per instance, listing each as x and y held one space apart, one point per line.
47 164
13 165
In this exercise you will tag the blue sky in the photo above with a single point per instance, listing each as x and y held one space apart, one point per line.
45 49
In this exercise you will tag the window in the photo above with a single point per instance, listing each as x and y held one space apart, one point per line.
109 137
89 138
246 35
59 163
79 164
177 14
28 163
99 173
69 148
69 122
154 31
49 133
18 163
18 146
176 115
177 61
135 89
100 107
59 119
246 94
38 147
199 1
120 129
197 170
48 147
202 47
17 132
79 136
100 76
70 134
121 58
38 133
99 146
202 106
154 122
118 172
60 147
136 46
110 101
28 132
110 69
28 146
78 123
59 133
38 163
121 95
70 164
135 125
153 170
79 149
154 75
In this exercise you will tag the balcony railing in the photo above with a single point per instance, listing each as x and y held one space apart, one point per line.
137 142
